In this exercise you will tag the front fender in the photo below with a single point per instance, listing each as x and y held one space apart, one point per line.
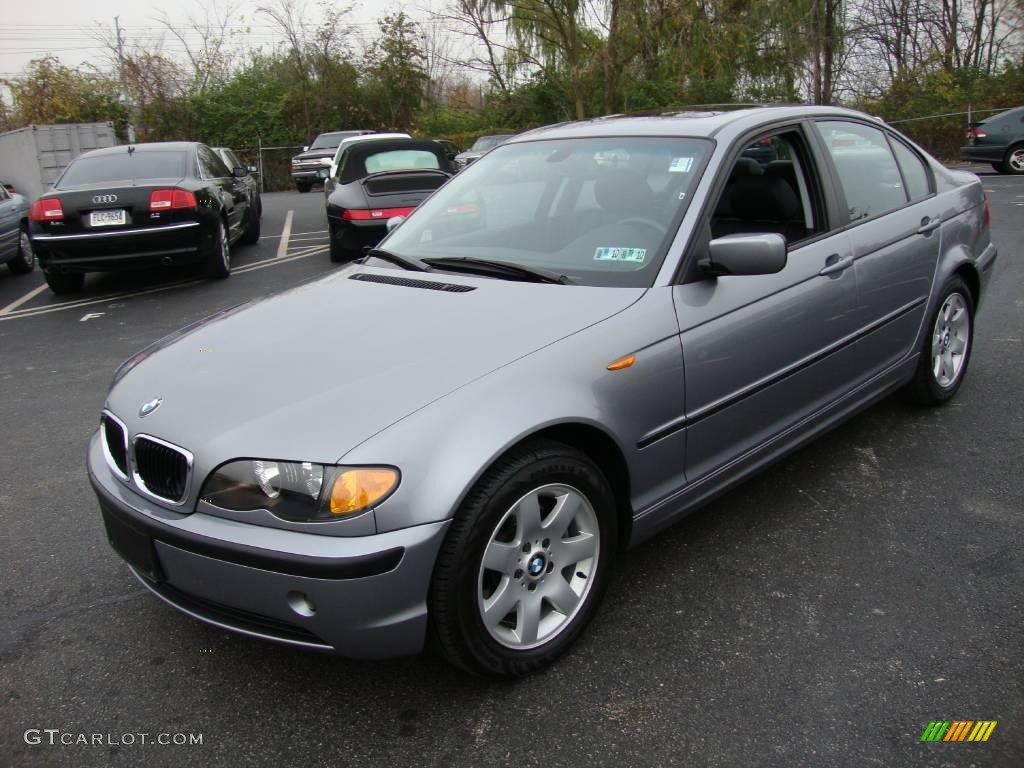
443 448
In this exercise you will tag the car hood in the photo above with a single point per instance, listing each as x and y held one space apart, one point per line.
314 154
311 373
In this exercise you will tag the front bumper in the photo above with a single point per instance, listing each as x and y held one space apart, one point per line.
182 243
368 594
312 173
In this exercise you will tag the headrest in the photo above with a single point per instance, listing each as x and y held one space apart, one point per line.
745 166
624 194
764 198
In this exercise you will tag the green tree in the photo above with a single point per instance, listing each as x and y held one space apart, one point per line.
49 92
396 78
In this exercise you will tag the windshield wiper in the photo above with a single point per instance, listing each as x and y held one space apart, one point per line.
403 261
488 267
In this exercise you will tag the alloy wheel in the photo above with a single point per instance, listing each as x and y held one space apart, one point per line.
538 566
950 339
1016 161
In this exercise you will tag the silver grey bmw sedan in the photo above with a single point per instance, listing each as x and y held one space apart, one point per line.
585 335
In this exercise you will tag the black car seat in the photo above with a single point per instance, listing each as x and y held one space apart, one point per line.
763 204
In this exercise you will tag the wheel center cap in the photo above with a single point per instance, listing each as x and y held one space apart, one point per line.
536 564
945 339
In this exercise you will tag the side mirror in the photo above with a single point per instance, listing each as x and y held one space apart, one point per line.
239 172
394 222
306 148
762 254
253 169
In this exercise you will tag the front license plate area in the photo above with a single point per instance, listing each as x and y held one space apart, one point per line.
109 218
133 545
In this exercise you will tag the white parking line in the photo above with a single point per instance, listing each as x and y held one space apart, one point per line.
282 247
18 302
296 235
262 264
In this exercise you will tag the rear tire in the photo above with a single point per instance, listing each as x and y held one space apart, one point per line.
1014 160
946 348
251 235
339 254
25 261
64 284
543 520
999 167
218 264
303 186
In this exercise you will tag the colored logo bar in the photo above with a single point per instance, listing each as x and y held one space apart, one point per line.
958 730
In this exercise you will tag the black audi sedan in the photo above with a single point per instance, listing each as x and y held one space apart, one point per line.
377 180
142 205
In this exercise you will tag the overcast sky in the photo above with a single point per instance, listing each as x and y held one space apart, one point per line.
68 28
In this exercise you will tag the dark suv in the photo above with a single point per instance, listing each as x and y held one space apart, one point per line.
999 140
313 164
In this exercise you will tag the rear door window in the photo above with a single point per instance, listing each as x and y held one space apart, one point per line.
867 171
211 165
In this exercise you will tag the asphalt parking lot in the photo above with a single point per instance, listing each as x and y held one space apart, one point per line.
820 615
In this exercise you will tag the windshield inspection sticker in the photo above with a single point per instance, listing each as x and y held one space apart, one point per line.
636 255
680 165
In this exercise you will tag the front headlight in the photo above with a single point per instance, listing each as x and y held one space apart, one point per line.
298 491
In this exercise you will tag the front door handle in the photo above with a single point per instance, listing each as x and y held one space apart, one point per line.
929 225
834 265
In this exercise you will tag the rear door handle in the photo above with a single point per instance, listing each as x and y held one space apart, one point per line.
929 225
834 265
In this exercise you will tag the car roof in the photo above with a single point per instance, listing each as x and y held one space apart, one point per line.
700 123
152 146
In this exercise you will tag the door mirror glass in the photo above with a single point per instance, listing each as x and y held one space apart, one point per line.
239 172
763 254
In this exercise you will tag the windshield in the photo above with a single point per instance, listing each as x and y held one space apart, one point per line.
487 142
104 168
331 140
601 211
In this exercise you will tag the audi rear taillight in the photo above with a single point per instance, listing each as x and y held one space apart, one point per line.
976 133
171 199
46 209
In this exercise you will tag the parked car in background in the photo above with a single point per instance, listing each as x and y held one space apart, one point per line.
332 174
15 244
248 180
552 359
450 149
377 180
311 165
142 205
480 146
998 140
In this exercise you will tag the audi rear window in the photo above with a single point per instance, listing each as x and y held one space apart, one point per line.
102 169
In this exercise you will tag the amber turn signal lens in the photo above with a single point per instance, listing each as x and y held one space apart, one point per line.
357 489
622 362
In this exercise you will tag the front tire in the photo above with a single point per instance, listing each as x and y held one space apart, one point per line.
303 186
218 264
251 234
25 261
525 562
64 284
946 349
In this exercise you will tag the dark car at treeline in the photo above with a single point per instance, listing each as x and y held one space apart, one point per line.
139 206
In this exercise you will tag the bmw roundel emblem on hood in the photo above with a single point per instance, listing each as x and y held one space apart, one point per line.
149 406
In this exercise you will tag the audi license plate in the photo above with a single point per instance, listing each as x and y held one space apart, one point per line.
109 218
